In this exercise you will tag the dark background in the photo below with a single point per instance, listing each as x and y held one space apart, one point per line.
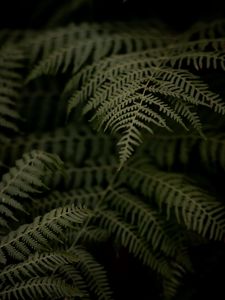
177 14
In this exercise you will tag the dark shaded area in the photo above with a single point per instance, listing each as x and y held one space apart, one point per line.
179 15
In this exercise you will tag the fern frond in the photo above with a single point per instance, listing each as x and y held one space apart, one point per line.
129 98
93 234
203 30
191 205
166 150
86 235
212 150
11 63
37 235
199 60
85 197
93 173
92 76
68 143
171 285
36 265
128 238
92 44
94 274
36 288
24 179
149 223
71 274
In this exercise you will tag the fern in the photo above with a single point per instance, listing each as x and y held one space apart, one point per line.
19 243
69 144
38 263
191 205
94 274
24 179
138 83
126 235
91 42
11 64
124 92
36 288
168 150
88 198
71 274
149 222
91 174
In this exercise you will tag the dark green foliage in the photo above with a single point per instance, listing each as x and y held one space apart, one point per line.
148 87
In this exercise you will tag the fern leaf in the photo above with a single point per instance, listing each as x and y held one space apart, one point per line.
36 265
167 150
128 238
85 197
171 285
191 205
71 274
149 222
203 30
127 101
24 179
95 46
37 235
93 173
212 150
11 82
68 143
199 60
94 274
36 288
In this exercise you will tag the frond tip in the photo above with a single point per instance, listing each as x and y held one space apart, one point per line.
94 273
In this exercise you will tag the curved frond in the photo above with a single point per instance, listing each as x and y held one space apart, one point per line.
69 143
36 265
128 237
24 179
149 223
171 285
167 150
85 197
93 173
192 206
130 98
212 150
82 43
19 243
11 63
71 274
94 274
36 288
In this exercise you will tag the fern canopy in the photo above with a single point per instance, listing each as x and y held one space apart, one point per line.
88 93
